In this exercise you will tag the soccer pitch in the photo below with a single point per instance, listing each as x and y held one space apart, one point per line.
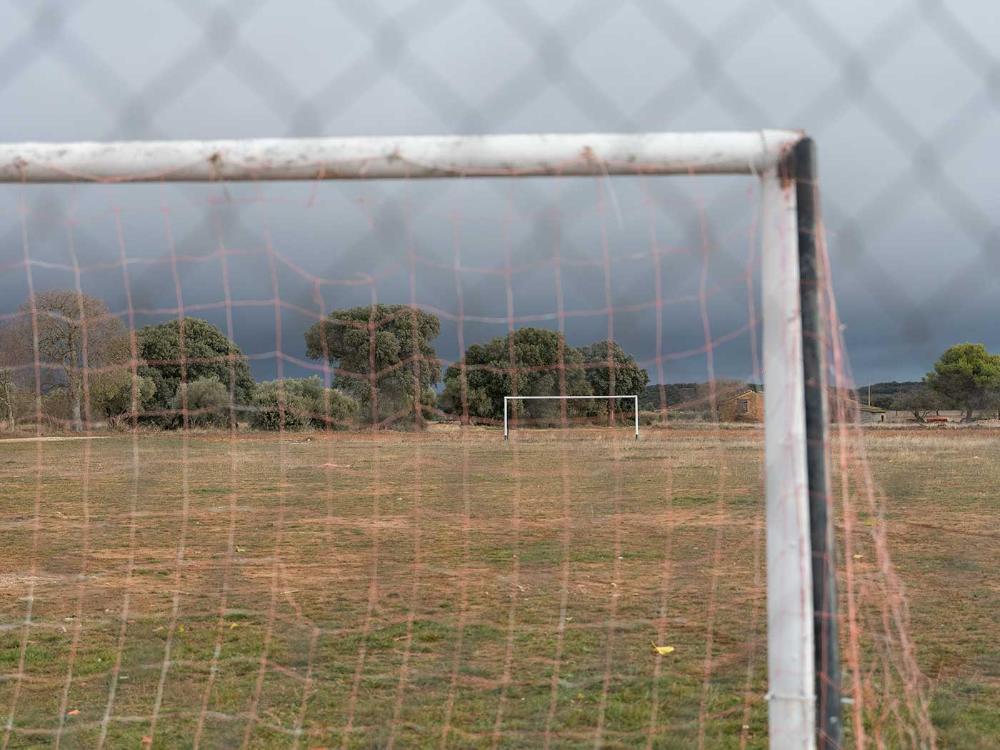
446 589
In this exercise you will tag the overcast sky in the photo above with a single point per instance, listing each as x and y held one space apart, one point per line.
901 97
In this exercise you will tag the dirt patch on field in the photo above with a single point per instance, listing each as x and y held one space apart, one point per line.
53 438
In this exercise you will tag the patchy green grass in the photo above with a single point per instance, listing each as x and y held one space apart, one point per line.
446 590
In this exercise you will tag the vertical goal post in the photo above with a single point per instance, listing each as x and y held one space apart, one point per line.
804 694
508 399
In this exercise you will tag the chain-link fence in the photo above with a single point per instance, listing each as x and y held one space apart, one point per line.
902 100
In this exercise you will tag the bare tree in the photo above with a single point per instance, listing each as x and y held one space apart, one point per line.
75 340
7 397
919 402
989 401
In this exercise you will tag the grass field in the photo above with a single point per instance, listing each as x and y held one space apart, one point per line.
446 590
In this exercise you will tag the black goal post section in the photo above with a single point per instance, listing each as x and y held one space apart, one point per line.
829 727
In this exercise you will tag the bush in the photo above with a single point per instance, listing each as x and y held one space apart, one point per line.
8 400
305 402
206 353
57 407
111 394
650 418
208 402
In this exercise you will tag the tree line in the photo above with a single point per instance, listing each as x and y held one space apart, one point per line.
66 358
966 377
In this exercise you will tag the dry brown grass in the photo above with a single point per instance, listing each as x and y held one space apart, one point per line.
445 589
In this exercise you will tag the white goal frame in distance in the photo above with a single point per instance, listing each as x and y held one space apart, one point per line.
506 424
803 664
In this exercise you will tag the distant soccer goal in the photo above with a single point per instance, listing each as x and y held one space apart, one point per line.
508 399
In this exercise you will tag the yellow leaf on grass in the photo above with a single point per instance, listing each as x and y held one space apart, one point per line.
662 650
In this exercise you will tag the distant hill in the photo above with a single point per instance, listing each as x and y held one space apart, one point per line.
690 395
675 393
883 394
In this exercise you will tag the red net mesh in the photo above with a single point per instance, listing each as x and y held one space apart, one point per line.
261 496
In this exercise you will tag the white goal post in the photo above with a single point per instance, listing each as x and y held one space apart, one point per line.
506 399
797 493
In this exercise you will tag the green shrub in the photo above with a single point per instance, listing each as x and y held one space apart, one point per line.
57 407
304 402
650 418
207 403
192 349
111 394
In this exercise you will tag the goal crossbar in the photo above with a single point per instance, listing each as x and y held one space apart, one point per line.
397 157
506 399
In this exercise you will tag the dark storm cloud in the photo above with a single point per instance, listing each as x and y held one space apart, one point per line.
896 96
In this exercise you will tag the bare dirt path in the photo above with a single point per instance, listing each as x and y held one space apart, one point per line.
53 438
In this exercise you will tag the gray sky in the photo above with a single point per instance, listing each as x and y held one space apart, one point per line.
901 97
